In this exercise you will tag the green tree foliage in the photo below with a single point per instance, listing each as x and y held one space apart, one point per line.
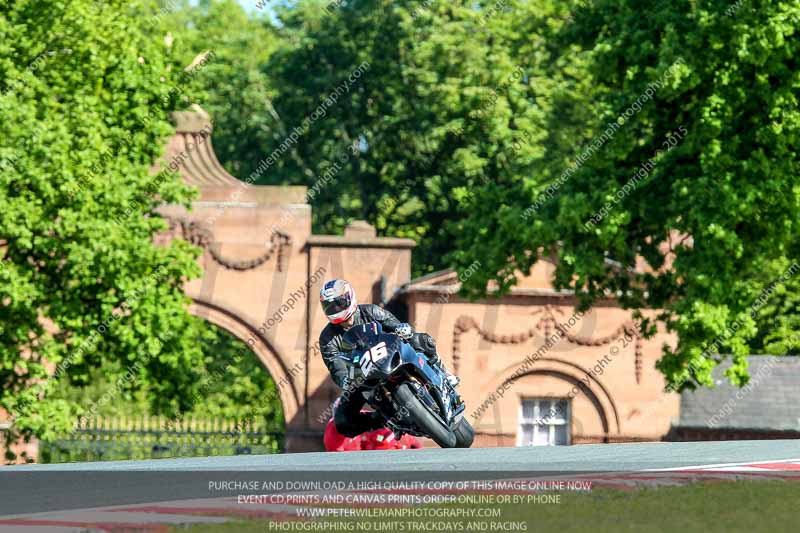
721 135
83 116
236 383
233 384
403 110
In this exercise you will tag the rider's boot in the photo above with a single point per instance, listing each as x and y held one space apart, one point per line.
375 421
451 379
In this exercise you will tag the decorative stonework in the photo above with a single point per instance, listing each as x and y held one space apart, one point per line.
191 149
199 235
547 324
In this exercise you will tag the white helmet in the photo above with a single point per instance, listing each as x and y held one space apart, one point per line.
338 299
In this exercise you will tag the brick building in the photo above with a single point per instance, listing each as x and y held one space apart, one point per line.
595 373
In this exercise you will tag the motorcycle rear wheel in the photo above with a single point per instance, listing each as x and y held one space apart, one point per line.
424 418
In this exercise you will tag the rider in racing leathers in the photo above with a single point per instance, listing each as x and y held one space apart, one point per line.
338 299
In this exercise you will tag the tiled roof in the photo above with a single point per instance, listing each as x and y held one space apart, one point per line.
771 400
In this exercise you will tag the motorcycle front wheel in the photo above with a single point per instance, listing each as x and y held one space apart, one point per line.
424 419
465 434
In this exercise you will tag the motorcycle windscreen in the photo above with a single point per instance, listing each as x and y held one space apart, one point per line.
375 361
362 336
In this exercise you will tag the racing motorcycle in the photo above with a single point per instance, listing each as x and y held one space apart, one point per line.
413 396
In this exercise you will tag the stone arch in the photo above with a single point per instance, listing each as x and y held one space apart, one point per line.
269 356
573 373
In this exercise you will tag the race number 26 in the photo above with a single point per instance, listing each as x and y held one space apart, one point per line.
372 356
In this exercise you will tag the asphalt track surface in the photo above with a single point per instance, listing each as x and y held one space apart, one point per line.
579 458
39 488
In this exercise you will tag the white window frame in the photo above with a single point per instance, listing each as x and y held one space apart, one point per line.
566 421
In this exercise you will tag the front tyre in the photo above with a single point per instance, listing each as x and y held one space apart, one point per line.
464 434
423 418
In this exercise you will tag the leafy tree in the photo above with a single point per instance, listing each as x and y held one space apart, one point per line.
238 385
410 109
778 319
233 384
716 216
83 116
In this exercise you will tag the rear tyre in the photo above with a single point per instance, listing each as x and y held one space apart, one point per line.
464 434
424 418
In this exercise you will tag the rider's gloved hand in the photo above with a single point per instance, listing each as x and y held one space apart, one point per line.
428 345
404 331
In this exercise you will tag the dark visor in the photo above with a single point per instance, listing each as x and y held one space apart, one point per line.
337 305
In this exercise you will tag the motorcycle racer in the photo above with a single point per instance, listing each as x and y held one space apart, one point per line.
338 300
